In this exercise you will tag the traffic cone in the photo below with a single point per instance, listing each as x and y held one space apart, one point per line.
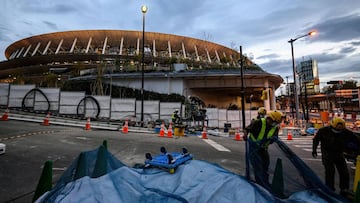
5 117
289 136
46 119
291 123
282 125
204 133
162 131
237 135
125 128
45 181
169 133
87 125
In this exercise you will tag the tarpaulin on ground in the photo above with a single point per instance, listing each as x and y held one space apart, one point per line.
97 176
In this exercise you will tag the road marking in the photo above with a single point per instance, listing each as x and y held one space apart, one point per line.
216 145
303 145
60 169
311 159
310 150
28 134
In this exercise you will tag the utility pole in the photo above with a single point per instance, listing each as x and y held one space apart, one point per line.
242 89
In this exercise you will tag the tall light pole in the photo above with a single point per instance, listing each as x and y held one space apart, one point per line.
143 10
296 97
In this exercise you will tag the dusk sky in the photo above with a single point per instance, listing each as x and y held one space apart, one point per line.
262 27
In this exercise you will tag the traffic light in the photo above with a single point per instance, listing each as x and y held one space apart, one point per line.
264 95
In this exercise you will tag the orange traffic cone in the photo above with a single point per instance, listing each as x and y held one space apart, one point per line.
282 125
162 131
204 133
125 128
291 123
289 136
237 135
46 119
169 134
87 125
5 117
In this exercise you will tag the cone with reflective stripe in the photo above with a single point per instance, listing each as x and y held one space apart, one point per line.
204 133
291 123
125 128
237 135
45 181
162 131
87 125
5 117
289 136
46 119
169 134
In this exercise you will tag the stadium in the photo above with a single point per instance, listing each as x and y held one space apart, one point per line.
172 64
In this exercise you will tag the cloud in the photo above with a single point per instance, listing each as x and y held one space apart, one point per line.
51 25
337 29
46 7
269 56
326 57
280 67
347 50
355 43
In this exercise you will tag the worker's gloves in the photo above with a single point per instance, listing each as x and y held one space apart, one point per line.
314 154
245 137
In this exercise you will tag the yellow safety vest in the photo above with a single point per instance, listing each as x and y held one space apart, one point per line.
173 116
260 140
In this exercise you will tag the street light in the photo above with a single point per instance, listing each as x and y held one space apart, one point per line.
291 41
143 10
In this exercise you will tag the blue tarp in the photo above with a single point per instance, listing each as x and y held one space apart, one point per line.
194 181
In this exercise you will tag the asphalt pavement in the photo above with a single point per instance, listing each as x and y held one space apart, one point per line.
29 144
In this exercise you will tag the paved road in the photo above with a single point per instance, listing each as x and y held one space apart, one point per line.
29 145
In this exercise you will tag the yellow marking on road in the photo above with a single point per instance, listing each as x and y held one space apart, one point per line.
28 134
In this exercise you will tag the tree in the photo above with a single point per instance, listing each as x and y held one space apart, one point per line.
349 84
340 85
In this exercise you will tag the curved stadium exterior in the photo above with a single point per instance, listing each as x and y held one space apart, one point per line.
195 66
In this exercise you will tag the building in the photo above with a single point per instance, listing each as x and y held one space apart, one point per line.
308 76
172 64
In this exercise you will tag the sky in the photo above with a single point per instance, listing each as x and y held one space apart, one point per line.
262 27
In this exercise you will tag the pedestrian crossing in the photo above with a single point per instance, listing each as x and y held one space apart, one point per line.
305 143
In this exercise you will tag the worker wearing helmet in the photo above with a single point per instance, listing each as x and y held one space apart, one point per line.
334 141
261 112
175 116
259 135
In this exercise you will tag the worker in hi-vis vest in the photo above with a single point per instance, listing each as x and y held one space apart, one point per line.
259 135
261 112
175 118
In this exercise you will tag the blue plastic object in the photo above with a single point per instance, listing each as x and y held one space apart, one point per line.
311 131
168 160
